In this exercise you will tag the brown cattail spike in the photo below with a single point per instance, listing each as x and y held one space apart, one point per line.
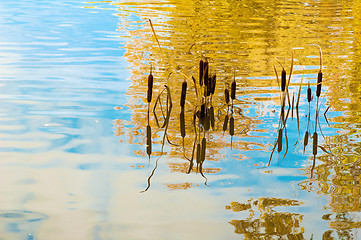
319 84
309 93
211 116
206 68
199 160
206 80
225 123
150 86
201 69
182 124
226 95
279 140
213 85
315 139
149 140
283 80
231 126
209 86
203 152
233 89
207 124
202 114
305 141
183 94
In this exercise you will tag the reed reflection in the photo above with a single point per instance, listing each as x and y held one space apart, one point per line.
200 107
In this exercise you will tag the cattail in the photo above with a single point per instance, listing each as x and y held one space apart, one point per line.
182 124
199 160
209 86
150 86
202 114
201 68
183 94
319 84
305 141
211 116
279 140
233 89
283 80
203 151
213 85
207 122
315 139
226 95
225 123
149 140
206 68
231 126
309 93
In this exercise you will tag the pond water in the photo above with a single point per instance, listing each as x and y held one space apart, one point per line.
75 153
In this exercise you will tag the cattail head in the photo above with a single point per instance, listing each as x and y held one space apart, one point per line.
199 160
231 126
209 86
207 121
211 116
202 113
206 68
182 124
226 95
305 140
279 140
309 94
183 94
213 85
283 80
150 87
203 151
315 139
319 83
225 123
149 140
201 69
233 89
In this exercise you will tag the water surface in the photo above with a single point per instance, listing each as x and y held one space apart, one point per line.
73 120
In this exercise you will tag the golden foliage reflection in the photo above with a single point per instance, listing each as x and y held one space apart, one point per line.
264 222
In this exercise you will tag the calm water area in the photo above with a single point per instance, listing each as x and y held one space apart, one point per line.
81 158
